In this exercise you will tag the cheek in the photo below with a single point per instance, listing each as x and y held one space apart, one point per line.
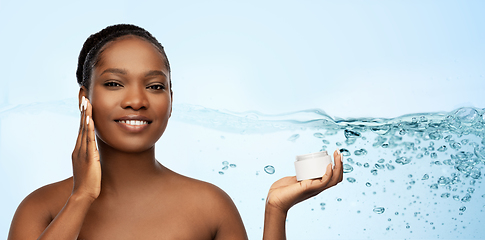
102 107
162 105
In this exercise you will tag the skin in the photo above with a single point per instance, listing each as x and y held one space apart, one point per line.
119 190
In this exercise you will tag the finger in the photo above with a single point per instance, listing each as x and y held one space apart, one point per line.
342 167
83 147
315 186
91 138
338 157
337 168
327 176
81 123
336 171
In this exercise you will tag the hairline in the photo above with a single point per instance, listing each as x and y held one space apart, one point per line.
98 56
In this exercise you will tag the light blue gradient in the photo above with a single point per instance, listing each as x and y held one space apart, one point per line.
352 59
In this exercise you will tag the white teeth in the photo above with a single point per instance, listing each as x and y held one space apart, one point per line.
133 122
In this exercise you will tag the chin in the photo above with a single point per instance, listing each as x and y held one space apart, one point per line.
134 148
129 145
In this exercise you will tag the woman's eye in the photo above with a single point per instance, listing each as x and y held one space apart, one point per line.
157 87
112 84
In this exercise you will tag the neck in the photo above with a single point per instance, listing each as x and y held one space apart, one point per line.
124 172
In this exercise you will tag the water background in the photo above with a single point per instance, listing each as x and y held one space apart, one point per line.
248 78
415 176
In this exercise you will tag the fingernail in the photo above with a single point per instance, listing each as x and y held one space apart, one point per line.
87 120
85 104
82 104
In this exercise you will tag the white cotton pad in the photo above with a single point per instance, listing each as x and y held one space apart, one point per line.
312 165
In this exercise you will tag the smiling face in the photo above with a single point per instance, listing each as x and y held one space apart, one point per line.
130 95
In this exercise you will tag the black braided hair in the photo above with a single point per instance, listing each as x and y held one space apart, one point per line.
88 57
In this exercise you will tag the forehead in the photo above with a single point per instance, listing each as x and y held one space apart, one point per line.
133 54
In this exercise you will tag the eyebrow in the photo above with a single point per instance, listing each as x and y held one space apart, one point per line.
114 70
124 72
155 73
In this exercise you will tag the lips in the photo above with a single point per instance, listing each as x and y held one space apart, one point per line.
133 123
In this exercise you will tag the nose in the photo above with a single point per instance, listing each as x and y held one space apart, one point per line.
135 98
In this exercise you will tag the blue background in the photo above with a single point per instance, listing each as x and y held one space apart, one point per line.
348 58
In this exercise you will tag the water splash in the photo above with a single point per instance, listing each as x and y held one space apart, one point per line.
445 149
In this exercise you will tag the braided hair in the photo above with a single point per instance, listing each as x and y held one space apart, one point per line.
93 47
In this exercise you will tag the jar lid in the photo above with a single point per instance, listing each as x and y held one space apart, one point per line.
311 155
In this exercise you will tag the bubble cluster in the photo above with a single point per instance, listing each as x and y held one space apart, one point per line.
418 163
225 166
453 142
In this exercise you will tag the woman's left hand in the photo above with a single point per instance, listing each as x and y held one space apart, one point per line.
287 191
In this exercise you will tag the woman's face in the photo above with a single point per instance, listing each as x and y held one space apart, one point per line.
130 95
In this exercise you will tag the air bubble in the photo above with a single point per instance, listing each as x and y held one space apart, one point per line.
466 198
318 135
360 152
351 134
442 148
455 145
403 160
348 168
379 210
467 115
435 135
269 169
293 137
345 152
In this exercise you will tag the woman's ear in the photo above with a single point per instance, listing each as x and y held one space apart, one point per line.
83 92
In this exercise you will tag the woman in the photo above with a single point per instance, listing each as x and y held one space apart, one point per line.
118 189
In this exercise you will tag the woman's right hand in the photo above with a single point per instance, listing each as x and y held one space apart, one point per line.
85 157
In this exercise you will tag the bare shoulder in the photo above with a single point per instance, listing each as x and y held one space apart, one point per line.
213 205
203 192
38 209
49 196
